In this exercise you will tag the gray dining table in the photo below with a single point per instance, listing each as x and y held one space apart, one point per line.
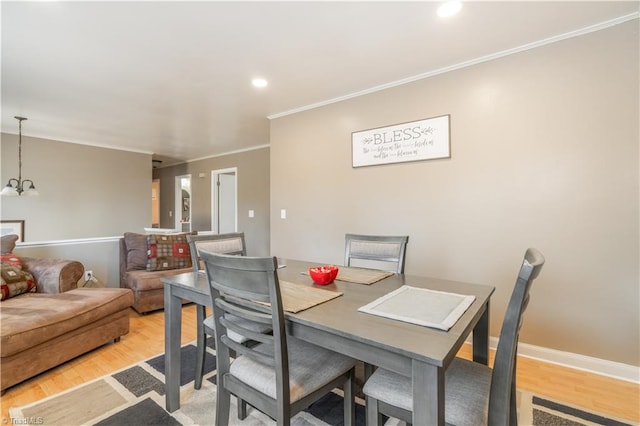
416 351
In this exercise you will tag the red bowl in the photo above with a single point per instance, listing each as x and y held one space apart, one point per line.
323 275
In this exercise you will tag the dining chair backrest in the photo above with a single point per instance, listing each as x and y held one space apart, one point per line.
385 252
502 396
230 243
242 287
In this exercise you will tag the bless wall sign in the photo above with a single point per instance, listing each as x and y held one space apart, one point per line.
426 139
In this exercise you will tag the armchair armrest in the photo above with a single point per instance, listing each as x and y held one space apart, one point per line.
54 275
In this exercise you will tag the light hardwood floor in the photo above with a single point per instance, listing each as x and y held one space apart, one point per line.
616 398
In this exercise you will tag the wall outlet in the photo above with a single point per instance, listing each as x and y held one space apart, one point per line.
88 276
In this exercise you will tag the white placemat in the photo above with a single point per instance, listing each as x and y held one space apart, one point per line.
430 308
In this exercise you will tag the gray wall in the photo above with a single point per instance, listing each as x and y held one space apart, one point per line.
253 194
100 256
85 191
544 149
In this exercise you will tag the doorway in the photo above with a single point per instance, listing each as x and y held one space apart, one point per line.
224 200
155 203
182 210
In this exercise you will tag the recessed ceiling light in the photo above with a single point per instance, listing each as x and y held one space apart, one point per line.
259 82
449 8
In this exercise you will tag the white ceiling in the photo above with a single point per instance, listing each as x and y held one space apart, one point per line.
174 78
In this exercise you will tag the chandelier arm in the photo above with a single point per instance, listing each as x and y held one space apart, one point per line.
19 183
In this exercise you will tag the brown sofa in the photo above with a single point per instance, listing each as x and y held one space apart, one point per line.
148 290
40 330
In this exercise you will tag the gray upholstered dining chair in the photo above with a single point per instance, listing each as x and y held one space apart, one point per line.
232 244
281 375
378 252
385 252
474 393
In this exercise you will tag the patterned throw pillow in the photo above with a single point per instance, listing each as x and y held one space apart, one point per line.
167 252
11 259
14 280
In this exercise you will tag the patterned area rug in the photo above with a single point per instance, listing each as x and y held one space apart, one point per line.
135 396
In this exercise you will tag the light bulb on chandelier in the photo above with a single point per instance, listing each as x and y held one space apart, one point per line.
15 186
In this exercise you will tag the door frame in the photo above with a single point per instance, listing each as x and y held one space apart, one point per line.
177 211
155 204
215 196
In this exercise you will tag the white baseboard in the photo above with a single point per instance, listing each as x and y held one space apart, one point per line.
602 367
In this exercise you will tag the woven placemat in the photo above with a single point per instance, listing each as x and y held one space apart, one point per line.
361 275
297 297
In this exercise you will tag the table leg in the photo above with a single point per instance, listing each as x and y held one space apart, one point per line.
428 394
172 337
481 338
201 345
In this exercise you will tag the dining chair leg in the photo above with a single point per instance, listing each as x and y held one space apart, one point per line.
223 404
242 409
201 346
368 371
349 399
513 410
283 415
374 418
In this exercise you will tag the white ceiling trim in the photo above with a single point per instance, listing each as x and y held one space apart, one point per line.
582 31
238 151
97 145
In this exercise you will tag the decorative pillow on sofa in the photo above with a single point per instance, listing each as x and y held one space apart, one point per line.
167 252
11 259
8 243
136 251
14 280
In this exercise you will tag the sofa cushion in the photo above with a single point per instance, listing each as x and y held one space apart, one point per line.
136 245
166 252
14 280
34 318
8 243
150 280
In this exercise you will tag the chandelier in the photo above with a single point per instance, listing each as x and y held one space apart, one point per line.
19 189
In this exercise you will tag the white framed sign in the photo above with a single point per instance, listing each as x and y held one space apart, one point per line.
426 139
